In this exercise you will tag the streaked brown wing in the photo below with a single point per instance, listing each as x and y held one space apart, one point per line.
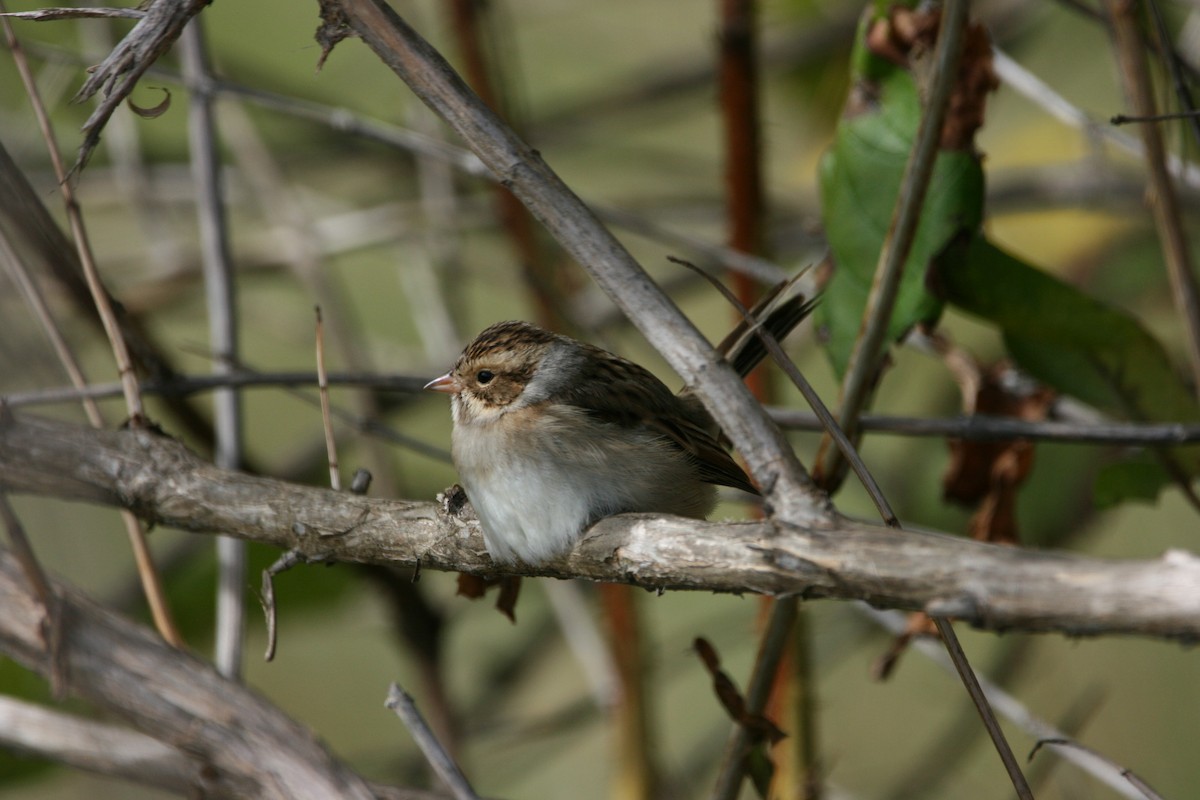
713 461
631 396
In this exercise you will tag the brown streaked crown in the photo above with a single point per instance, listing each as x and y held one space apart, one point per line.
511 335
495 368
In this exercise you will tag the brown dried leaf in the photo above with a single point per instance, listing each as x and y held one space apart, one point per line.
906 37
474 587
333 28
506 601
968 101
987 475
757 726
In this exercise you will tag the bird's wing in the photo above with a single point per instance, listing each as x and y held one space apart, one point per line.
633 397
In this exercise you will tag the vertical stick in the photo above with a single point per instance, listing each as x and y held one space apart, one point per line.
1164 203
869 348
635 775
223 333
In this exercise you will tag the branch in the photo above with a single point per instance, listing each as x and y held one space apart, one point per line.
101 748
116 76
786 486
120 752
991 587
254 748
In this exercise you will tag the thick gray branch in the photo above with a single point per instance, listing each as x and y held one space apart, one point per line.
224 740
173 696
101 748
991 587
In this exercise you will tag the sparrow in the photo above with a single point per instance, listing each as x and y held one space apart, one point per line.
552 434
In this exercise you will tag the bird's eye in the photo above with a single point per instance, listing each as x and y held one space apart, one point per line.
484 376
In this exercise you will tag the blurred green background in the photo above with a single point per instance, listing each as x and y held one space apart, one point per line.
620 100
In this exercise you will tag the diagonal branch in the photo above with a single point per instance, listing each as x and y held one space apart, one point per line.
174 697
788 490
225 740
992 587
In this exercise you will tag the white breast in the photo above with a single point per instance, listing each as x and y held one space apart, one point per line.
536 487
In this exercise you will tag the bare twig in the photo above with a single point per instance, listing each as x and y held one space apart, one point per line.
51 623
1038 91
220 295
770 650
51 14
866 357
153 35
99 747
828 423
241 379
122 667
151 581
978 427
1134 779
399 701
285 562
100 296
983 427
1163 203
335 478
1174 64
967 675
106 749
1011 709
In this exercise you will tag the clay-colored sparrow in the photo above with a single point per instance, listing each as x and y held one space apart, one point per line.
551 434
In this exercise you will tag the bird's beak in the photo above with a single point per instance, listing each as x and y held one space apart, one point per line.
446 384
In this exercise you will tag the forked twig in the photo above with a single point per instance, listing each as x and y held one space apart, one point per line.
828 423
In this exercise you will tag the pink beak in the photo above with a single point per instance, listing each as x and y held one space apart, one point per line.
446 384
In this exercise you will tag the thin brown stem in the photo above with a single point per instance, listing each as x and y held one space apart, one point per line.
150 578
100 297
770 651
867 356
335 478
1164 203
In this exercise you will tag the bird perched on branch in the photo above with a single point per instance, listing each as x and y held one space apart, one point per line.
552 434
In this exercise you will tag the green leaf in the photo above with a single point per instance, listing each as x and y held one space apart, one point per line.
1140 478
860 179
1081 347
